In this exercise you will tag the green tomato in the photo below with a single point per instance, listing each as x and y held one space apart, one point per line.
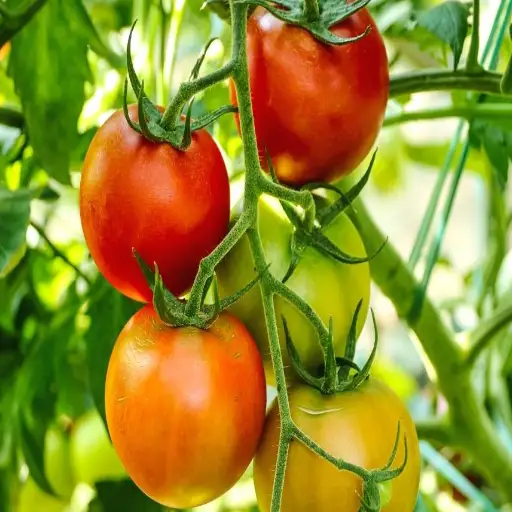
92 454
32 499
332 288
57 462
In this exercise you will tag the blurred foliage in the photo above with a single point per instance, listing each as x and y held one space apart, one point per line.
60 77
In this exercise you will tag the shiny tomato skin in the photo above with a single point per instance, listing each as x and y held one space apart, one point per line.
171 206
185 407
360 427
317 108
331 288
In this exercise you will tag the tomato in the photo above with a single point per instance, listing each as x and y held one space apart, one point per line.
358 426
332 288
92 454
317 108
185 407
57 462
171 206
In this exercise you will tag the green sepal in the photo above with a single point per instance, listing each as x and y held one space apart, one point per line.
331 13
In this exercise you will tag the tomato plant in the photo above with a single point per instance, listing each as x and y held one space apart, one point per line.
317 109
205 391
320 280
357 426
136 194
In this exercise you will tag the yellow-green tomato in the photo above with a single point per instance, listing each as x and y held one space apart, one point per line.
32 499
332 288
93 456
57 462
358 426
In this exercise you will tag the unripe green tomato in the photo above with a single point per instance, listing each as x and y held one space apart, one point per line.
92 454
332 288
33 499
57 462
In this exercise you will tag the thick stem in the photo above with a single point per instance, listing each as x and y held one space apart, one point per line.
472 429
441 80
472 63
469 112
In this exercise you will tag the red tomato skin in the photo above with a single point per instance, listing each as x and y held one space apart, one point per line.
185 407
171 206
317 108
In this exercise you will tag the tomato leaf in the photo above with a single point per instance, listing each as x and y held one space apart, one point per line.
449 23
494 137
49 77
14 218
109 311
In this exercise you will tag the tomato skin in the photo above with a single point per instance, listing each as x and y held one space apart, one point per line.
185 407
360 427
331 288
317 109
171 206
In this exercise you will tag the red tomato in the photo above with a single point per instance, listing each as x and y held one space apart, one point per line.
171 206
317 108
185 407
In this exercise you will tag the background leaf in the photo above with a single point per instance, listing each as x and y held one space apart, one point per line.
449 23
14 218
50 83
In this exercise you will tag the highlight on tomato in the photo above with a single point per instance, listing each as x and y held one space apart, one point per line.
185 407
171 206
333 289
358 426
318 108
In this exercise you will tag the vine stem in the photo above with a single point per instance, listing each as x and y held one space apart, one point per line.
472 63
13 22
438 80
469 112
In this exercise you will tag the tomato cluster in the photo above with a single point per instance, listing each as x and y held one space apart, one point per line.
186 406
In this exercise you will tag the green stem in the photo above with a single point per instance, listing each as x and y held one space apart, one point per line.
13 22
471 426
441 80
12 118
472 63
468 112
188 89
487 330
59 253
435 431
178 10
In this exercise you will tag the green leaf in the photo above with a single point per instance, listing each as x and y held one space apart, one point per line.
108 311
14 219
449 23
48 64
122 495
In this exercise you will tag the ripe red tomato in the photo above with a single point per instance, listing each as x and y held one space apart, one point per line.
171 206
317 108
185 407
359 426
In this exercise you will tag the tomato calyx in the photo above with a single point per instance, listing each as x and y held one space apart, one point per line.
317 17
156 126
307 234
173 311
